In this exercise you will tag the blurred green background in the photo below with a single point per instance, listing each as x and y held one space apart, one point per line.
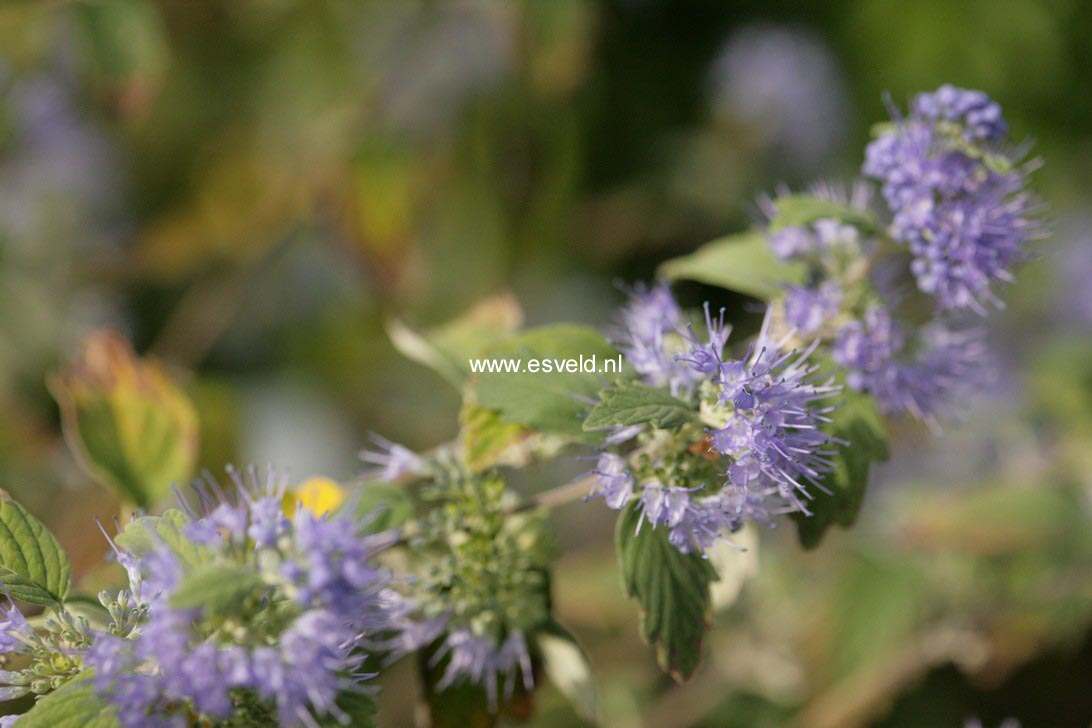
251 190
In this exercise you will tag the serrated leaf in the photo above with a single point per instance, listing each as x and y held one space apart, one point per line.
149 533
74 705
633 403
742 263
568 668
672 589
798 210
33 566
219 590
857 421
545 402
446 349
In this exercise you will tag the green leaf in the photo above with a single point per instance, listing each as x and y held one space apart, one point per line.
486 438
446 349
129 425
387 505
546 402
633 403
568 668
858 421
798 210
672 589
73 705
148 533
33 566
360 707
219 590
742 263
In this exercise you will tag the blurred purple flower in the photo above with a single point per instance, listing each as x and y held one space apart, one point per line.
786 84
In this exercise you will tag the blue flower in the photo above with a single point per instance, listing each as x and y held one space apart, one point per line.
14 630
773 436
480 660
612 480
924 376
979 116
333 604
807 310
958 204
651 315
394 461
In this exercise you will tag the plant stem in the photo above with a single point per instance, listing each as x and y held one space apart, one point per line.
556 496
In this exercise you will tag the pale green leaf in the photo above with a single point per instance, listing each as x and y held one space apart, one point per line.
446 349
74 705
149 533
799 210
546 402
568 668
219 590
743 263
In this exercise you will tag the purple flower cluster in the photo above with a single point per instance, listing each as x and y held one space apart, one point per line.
773 435
920 376
14 630
326 601
480 660
959 205
807 310
647 322
769 410
804 241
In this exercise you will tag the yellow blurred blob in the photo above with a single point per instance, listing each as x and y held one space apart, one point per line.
319 495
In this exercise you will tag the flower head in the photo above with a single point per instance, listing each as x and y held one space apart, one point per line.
958 203
773 436
923 376
648 321
322 598
393 461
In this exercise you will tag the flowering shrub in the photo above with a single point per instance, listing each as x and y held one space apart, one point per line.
248 605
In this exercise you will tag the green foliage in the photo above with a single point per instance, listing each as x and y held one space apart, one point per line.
219 590
633 403
672 590
130 427
858 422
33 566
147 533
547 402
741 262
568 668
482 564
386 505
799 210
486 438
446 349
73 705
